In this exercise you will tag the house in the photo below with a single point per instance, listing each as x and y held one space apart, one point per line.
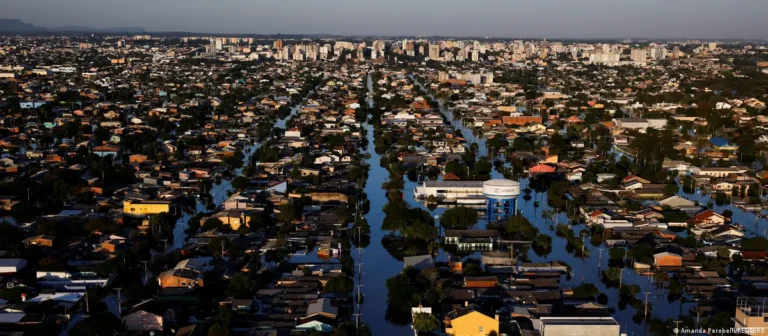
146 207
605 177
719 171
471 239
309 172
751 314
233 218
137 158
676 202
640 124
293 133
720 143
319 323
451 177
481 282
581 325
326 159
180 278
470 322
667 258
708 218
106 150
40 240
9 266
322 307
149 317
542 169
419 262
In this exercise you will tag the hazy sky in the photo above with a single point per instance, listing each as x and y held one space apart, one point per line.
503 18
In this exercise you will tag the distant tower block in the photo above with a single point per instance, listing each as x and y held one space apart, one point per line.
502 198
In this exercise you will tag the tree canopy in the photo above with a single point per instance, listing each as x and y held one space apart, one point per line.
459 218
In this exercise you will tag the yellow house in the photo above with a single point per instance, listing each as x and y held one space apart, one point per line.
233 218
146 207
473 324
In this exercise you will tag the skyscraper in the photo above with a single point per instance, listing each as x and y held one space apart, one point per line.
434 51
278 44
212 47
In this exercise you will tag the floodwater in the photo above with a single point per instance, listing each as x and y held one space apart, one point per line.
379 265
221 190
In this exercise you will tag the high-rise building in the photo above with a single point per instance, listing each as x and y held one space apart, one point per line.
278 44
676 52
658 53
604 58
712 46
378 45
639 56
212 47
475 55
434 51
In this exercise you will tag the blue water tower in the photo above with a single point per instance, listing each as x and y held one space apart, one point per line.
501 198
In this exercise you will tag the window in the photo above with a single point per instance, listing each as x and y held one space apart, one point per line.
183 283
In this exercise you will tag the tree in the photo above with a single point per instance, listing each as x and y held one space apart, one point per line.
339 284
520 227
240 182
754 244
212 223
287 212
472 267
459 218
588 177
240 286
454 167
585 291
219 329
102 323
542 244
617 253
424 322
349 329
641 252
671 189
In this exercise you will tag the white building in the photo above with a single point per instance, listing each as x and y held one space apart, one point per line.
449 190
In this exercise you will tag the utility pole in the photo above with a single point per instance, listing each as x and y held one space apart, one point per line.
677 326
166 245
145 270
646 305
357 321
119 302
600 262
583 244
87 305
621 275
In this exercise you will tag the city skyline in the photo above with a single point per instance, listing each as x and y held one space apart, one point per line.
588 19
